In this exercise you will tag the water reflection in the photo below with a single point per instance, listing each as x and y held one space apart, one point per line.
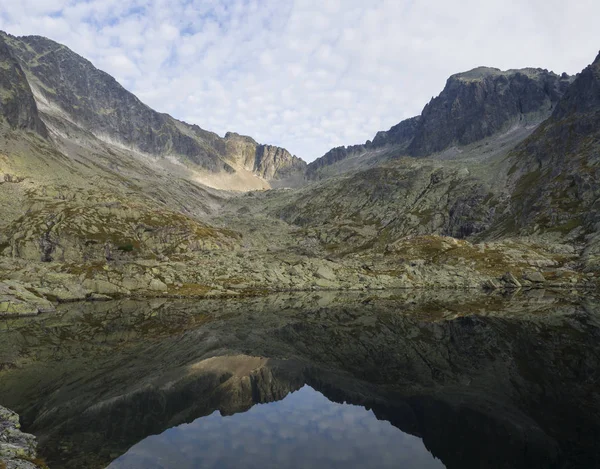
304 430
482 381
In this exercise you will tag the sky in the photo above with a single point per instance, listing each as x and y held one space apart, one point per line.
307 75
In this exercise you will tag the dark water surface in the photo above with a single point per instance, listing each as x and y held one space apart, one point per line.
426 380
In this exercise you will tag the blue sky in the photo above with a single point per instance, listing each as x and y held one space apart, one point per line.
307 74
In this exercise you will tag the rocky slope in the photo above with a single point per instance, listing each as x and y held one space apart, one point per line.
554 173
70 90
474 105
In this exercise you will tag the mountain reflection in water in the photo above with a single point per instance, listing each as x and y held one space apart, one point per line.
304 430
461 380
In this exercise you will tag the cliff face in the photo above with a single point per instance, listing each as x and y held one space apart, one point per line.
479 103
17 104
68 87
267 161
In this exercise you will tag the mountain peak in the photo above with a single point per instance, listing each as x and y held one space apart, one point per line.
69 88
480 73
481 102
584 94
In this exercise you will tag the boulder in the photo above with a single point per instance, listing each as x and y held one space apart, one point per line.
510 281
14 444
157 285
534 277
103 287
491 284
324 272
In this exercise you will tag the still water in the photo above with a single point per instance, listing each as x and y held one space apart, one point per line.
406 380
304 430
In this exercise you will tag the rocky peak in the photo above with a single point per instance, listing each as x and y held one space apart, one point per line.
273 162
483 101
67 86
473 105
584 95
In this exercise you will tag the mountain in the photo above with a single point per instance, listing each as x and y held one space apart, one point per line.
396 139
554 174
493 186
484 101
481 103
73 96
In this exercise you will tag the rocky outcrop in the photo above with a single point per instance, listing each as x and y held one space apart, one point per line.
17 104
267 161
276 163
17 449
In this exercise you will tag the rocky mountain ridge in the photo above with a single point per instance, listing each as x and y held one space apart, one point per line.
473 106
69 88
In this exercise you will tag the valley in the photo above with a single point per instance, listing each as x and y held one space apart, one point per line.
102 197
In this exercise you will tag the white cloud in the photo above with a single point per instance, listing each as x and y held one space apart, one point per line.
306 74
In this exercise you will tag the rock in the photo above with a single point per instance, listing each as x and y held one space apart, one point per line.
324 272
157 285
103 287
534 276
491 284
17 308
14 444
17 300
133 283
510 280
324 283
98 297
